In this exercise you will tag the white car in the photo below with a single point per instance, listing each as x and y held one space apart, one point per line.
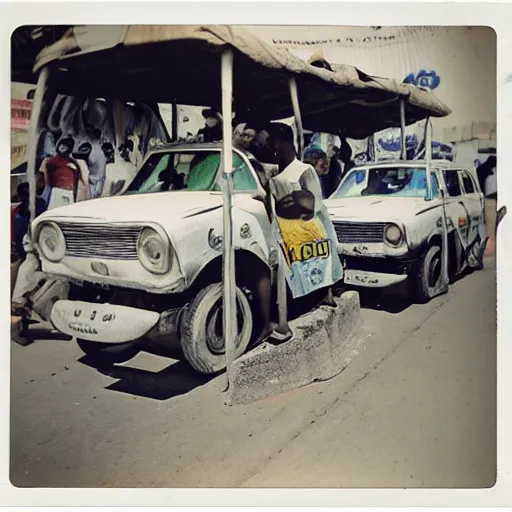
148 263
389 230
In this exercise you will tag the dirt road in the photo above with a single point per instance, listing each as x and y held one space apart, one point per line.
417 408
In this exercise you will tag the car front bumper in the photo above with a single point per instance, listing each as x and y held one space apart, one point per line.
110 323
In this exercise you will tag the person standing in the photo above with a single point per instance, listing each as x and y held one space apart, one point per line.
335 171
487 179
317 158
21 215
345 156
301 225
212 130
61 175
484 172
307 233
91 152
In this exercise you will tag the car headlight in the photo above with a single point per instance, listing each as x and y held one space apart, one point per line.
51 242
393 234
154 251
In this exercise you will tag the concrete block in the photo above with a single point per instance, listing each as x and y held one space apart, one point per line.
323 344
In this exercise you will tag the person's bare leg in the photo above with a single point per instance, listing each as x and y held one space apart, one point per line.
329 299
263 292
282 331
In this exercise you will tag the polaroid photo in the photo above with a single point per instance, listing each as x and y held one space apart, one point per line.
256 247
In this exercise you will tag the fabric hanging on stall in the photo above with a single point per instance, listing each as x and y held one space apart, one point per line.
96 115
141 125
47 144
83 191
135 155
119 135
55 115
119 118
71 122
308 246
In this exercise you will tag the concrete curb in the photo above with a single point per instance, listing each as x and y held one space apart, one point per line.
322 346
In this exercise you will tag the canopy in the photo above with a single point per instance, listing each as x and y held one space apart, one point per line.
175 63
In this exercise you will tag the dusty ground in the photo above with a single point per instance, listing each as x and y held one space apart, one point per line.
417 408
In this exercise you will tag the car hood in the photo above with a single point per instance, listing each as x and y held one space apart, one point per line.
375 208
139 208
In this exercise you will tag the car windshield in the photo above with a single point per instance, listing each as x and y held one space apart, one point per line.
389 181
189 170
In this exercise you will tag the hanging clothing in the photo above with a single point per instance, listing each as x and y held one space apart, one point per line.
308 246
135 155
83 192
119 116
119 176
96 163
61 177
48 148
61 172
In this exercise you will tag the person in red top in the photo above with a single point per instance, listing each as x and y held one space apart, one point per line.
62 174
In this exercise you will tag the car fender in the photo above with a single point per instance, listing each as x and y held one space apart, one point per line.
204 241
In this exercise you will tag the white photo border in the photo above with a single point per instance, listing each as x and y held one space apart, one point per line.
495 15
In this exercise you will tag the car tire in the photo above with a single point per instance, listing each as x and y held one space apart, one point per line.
201 336
107 354
429 280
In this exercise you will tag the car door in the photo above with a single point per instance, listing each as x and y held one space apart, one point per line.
474 203
457 218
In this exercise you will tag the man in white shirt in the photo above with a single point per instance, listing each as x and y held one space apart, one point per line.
301 222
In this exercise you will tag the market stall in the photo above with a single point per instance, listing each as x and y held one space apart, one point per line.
151 64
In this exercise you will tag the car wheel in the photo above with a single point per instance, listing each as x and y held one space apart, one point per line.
108 354
202 336
429 281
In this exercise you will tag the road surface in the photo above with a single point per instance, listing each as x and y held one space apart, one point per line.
416 408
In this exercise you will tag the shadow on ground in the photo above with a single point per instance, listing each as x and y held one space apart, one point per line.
176 379
41 333
378 301
36 332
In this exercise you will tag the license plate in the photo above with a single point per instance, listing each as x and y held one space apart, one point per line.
102 322
360 277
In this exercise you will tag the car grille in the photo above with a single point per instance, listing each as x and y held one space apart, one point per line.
105 241
358 232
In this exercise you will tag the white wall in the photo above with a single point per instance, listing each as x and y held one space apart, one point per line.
464 58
